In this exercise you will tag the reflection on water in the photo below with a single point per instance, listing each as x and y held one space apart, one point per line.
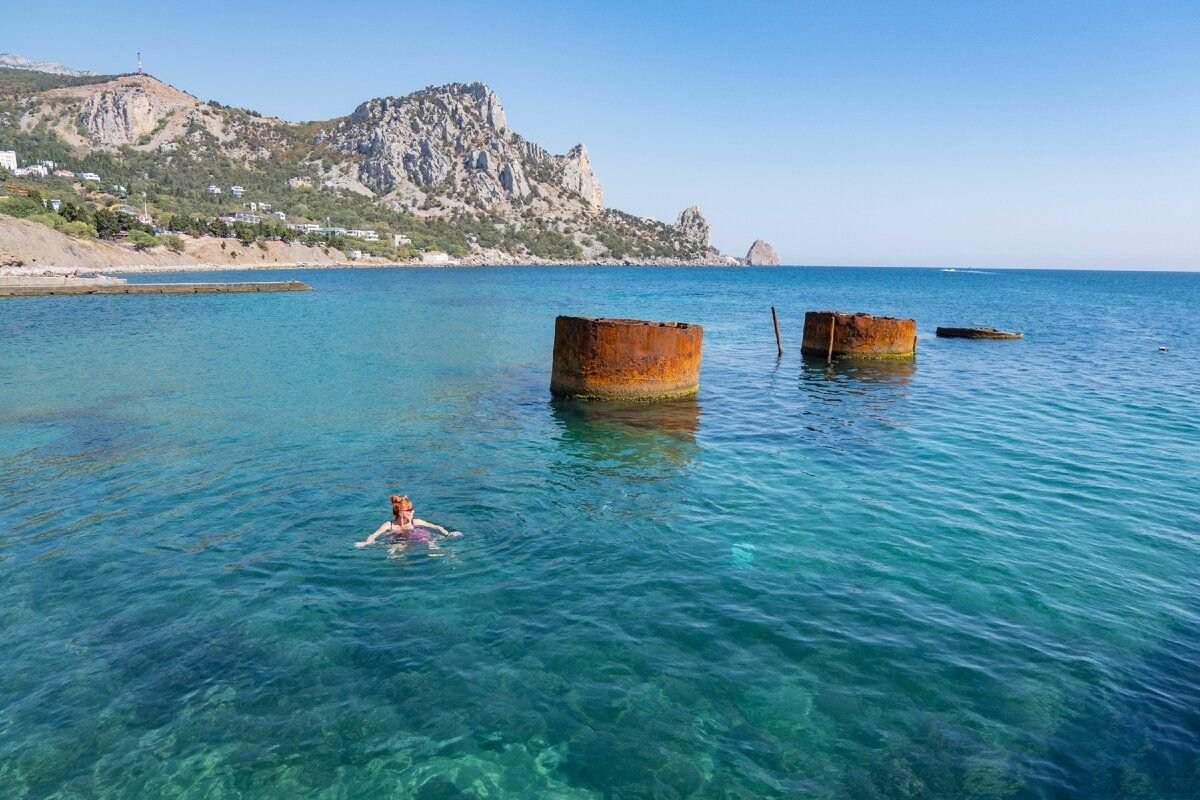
852 374
637 440
855 397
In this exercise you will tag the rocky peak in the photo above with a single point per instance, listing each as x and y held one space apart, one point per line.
123 111
762 254
692 224
578 177
453 141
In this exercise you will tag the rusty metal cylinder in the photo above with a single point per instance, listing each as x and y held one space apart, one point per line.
625 359
858 335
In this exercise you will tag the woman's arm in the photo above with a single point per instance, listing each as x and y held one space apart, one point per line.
371 539
444 532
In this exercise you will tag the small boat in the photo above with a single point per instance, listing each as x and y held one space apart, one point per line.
976 333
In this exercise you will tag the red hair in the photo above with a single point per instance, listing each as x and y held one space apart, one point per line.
400 503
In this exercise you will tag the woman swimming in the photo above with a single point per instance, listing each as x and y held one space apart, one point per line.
402 528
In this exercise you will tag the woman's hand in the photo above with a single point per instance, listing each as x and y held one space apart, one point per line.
361 544
454 533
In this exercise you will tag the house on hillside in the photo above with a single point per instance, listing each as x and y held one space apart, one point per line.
249 219
305 227
89 176
278 215
213 189
8 160
63 173
236 191
366 236
297 183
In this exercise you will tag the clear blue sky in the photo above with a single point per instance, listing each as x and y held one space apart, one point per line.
1058 134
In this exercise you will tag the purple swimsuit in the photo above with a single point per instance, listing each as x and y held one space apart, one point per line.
413 535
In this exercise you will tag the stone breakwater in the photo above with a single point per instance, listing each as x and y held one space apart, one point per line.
87 286
625 359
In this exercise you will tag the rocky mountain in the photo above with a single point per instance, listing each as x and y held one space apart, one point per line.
692 224
441 166
454 142
11 61
762 254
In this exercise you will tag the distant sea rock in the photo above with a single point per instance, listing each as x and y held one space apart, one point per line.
692 224
11 61
762 254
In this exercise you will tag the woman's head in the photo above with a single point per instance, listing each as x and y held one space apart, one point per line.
401 505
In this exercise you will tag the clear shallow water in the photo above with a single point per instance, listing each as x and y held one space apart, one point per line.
970 576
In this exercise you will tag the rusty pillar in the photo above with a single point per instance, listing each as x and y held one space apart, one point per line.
625 359
837 335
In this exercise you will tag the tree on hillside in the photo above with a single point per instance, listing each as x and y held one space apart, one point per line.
142 240
107 224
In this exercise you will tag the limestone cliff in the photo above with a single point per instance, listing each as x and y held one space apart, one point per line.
762 254
694 227
452 143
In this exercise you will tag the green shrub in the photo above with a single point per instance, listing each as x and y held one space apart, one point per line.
79 229
142 240
49 220
172 242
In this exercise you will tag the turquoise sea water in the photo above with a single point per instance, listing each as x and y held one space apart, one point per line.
974 575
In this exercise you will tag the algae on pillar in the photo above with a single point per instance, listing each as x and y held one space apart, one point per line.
625 359
839 335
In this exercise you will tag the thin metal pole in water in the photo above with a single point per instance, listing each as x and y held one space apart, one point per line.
832 325
778 341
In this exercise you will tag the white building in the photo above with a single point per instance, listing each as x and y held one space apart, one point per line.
305 227
34 169
48 164
297 183
278 215
8 160
330 231
236 191
89 176
64 173
56 204
399 239
435 257
214 189
366 236
250 219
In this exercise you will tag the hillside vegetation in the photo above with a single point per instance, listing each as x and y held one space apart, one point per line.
439 167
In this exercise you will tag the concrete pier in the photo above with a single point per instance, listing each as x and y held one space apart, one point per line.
625 359
838 335
121 287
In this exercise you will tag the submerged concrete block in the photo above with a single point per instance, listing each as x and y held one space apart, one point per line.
858 335
976 333
625 359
